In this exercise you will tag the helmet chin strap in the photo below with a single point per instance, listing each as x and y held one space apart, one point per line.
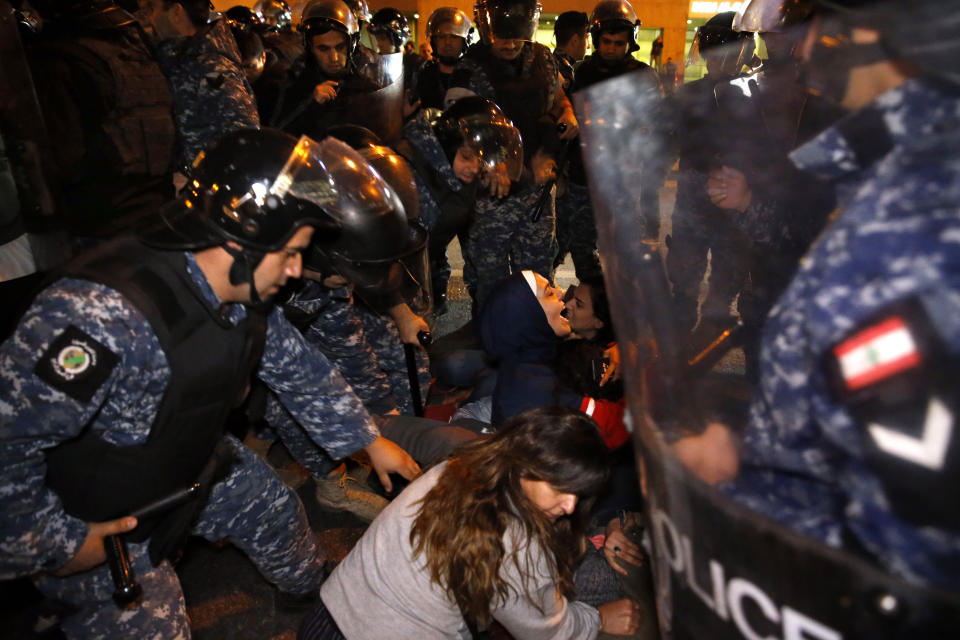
245 262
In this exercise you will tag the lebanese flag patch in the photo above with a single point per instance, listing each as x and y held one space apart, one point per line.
876 353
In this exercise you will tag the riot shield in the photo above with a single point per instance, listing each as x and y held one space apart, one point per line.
722 569
381 111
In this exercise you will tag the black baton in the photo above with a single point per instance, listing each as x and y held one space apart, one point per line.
126 591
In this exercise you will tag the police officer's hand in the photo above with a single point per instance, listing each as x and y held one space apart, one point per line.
387 457
711 456
728 189
620 618
408 323
325 92
571 128
91 553
496 181
544 168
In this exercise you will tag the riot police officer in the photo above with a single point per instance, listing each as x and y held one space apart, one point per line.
449 159
450 31
202 63
521 77
613 31
390 29
313 96
97 80
107 360
850 437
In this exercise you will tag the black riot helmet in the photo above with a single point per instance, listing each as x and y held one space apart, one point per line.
320 16
733 48
450 21
392 166
507 19
255 188
275 14
614 16
242 18
381 247
480 125
390 22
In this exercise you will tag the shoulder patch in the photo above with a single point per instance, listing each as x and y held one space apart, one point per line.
876 352
76 364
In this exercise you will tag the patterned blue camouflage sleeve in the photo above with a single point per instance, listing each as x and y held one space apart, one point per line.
337 332
79 354
314 391
211 94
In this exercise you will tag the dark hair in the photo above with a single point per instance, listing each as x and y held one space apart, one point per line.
601 307
569 24
459 530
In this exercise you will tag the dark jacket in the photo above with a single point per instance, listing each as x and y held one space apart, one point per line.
514 329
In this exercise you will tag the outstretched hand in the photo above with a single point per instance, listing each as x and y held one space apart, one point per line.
388 457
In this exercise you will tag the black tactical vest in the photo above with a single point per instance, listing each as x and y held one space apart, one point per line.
138 127
523 90
210 362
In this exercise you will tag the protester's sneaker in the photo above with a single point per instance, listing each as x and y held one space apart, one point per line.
347 492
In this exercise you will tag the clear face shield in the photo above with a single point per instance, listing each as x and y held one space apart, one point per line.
498 145
245 205
710 222
724 56
378 249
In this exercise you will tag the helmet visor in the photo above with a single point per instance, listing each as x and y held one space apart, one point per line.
260 211
514 21
496 143
382 284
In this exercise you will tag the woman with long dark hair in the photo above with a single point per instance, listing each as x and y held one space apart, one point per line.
492 534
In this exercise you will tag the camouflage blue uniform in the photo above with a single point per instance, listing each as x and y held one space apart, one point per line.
250 506
211 95
363 345
448 217
896 242
503 237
